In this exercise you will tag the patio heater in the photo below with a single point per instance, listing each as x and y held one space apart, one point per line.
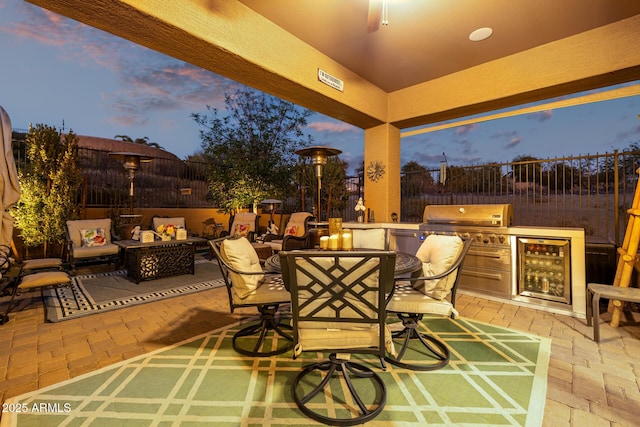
318 155
131 162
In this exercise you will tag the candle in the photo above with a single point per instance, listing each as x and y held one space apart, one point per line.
334 242
347 241
324 242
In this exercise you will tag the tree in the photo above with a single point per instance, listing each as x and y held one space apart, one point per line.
253 143
415 179
49 187
526 169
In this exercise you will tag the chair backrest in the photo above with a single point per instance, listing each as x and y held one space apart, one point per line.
338 298
373 238
298 224
81 228
239 265
244 224
441 258
157 221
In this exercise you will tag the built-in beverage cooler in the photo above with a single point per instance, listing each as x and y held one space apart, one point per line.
549 268
544 269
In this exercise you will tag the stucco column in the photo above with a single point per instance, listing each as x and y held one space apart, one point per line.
382 147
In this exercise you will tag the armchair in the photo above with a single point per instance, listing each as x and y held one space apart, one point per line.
244 224
296 234
434 292
249 286
338 306
90 239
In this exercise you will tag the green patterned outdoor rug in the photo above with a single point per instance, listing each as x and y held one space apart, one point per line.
100 292
496 377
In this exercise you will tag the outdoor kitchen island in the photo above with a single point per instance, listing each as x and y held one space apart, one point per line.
497 264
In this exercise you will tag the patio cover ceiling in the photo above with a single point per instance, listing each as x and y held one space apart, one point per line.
418 70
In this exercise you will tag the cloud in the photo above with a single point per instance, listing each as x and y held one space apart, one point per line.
463 130
148 81
514 142
504 135
540 116
332 127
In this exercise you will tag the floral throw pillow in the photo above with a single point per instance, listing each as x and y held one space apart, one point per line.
93 237
241 230
291 230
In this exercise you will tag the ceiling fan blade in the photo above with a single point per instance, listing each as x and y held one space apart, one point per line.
375 15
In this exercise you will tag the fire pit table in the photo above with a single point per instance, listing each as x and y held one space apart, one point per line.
154 260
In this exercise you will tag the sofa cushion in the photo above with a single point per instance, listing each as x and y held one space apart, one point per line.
241 256
95 251
438 253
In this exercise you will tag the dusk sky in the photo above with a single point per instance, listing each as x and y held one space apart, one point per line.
55 69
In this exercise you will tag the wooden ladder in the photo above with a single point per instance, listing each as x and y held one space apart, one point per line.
627 255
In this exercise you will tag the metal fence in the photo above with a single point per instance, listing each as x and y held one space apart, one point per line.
591 192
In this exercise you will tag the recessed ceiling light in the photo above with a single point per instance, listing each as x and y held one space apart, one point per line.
480 34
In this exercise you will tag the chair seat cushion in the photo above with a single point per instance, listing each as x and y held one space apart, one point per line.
407 299
38 263
95 251
270 291
276 245
47 278
241 256
327 339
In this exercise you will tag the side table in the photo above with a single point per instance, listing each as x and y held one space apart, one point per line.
264 251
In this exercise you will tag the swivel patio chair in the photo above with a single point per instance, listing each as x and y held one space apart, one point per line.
338 306
430 291
249 286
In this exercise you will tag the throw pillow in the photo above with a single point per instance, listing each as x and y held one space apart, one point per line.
241 256
438 253
291 230
241 230
93 237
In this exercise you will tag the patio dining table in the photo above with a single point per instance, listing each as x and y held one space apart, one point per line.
405 263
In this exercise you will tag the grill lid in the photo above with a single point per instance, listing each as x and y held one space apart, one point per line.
494 215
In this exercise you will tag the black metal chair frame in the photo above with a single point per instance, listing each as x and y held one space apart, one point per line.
14 273
268 313
411 324
342 284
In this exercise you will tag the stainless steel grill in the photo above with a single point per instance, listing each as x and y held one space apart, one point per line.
488 265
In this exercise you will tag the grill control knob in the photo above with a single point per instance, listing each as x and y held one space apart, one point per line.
479 237
466 235
492 238
501 238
